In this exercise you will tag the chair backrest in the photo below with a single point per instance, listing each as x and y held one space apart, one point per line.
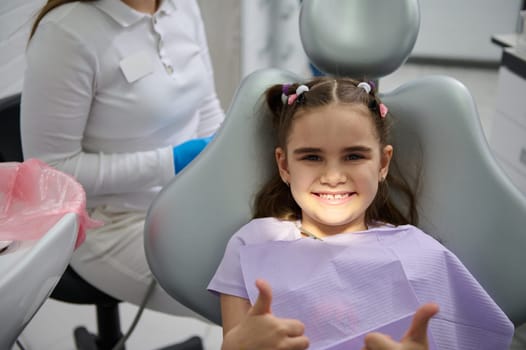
191 220
465 199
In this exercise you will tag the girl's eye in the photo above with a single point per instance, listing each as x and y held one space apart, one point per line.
354 156
311 157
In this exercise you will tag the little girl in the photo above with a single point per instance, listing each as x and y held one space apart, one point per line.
342 256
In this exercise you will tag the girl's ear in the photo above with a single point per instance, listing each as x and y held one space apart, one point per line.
385 160
281 161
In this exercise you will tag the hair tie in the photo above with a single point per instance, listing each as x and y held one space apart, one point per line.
299 92
365 86
383 110
292 98
285 92
301 89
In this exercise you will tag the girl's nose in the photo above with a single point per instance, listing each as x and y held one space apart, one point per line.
333 176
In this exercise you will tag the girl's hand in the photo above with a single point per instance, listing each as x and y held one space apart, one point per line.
415 337
261 330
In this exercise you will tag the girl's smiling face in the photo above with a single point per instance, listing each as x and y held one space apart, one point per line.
333 162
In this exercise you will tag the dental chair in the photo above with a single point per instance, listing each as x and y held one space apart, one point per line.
465 199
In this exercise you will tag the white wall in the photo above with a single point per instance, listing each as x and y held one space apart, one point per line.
16 17
223 30
462 29
270 36
246 35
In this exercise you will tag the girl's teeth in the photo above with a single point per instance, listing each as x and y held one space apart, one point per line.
333 196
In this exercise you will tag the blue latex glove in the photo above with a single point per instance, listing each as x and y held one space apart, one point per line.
187 151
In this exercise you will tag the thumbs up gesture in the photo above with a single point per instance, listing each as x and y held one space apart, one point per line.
261 330
414 339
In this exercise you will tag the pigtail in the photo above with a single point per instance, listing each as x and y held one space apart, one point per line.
385 209
275 199
274 104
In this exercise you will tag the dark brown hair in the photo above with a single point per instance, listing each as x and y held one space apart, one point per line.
275 198
50 5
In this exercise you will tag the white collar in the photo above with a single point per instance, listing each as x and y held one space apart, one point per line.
125 15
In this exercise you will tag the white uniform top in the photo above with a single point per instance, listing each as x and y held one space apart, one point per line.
108 91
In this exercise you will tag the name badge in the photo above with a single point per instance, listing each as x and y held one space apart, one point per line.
136 66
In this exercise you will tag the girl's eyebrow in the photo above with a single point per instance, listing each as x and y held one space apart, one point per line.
358 149
303 150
